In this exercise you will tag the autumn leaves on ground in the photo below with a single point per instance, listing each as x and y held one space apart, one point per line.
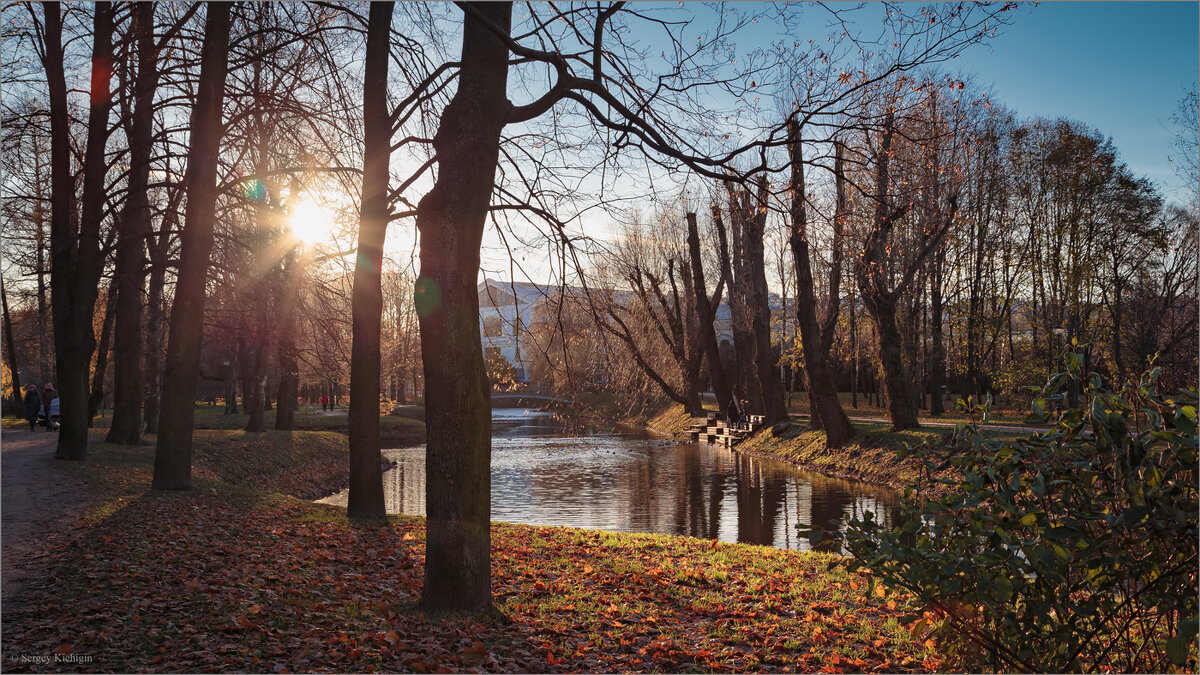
240 575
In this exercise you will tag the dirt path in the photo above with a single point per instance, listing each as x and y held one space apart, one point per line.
39 502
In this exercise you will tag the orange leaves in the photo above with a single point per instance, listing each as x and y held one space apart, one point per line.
292 586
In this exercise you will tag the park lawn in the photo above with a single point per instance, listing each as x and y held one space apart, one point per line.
232 577
394 430
305 464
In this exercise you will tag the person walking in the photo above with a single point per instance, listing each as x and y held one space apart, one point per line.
33 403
733 413
49 396
324 402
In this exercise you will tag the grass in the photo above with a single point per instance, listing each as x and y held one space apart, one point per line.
305 464
394 430
237 575
870 456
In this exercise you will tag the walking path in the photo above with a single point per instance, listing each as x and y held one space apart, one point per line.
39 502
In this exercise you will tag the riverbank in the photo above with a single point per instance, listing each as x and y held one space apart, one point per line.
236 575
869 457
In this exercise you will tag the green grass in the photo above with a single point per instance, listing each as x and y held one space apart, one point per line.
869 456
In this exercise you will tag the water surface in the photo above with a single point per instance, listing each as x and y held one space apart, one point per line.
629 481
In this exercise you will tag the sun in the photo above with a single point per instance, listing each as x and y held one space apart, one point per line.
310 223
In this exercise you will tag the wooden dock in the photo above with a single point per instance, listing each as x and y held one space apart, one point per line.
716 430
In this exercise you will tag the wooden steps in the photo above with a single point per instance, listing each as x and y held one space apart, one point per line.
716 430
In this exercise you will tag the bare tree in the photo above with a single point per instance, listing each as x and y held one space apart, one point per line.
366 477
135 228
825 409
173 451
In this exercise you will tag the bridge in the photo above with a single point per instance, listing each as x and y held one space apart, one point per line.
513 399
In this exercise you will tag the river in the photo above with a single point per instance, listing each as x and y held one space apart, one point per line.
631 481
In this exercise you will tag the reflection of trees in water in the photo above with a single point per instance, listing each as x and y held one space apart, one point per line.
831 500
404 485
627 485
698 495
761 490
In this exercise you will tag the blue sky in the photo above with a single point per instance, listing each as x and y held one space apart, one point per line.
1121 67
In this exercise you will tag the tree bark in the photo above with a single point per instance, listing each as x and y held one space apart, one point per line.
704 308
126 426
366 477
96 395
760 309
76 259
451 220
289 369
252 380
745 376
173 453
158 249
937 352
824 408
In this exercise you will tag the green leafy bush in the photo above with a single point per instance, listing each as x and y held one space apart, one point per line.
1072 550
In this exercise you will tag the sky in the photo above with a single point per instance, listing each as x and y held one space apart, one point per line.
1121 67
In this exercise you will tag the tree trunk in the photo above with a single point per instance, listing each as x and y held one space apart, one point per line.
1118 311
937 352
96 395
231 380
289 368
173 453
824 408
366 477
901 403
76 258
10 352
159 247
704 308
451 220
44 339
760 310
252 382
854 350
126 426
745 376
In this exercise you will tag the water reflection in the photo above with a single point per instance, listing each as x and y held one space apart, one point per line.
626 481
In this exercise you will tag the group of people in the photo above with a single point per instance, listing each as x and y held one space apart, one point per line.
736 412
44 405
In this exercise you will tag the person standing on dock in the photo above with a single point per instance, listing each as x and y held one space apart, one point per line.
733 412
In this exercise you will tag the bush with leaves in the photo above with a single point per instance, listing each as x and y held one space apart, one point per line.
1072 550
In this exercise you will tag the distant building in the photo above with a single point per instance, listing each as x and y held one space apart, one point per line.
507 310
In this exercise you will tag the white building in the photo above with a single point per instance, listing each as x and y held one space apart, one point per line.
508 308
505 310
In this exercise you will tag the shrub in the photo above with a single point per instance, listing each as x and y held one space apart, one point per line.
1072 550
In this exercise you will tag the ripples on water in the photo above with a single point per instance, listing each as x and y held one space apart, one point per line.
628 481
